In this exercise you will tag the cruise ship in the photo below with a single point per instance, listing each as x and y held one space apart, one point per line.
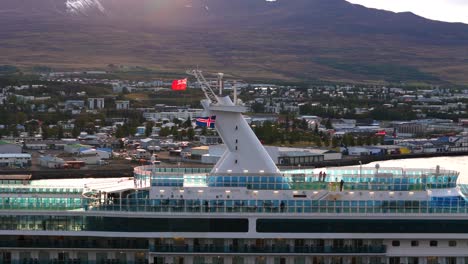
244 210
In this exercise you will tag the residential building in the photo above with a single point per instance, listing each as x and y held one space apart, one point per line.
122 105
95 103
15 160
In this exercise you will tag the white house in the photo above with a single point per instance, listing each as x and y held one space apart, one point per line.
122 105
100 153
90 157
147 142
95 103
51 162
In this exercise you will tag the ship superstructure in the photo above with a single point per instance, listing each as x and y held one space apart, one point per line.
244 210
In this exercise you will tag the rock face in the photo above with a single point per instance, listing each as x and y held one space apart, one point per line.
292 39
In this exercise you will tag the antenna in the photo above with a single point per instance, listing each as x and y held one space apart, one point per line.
205 86
235 92
220 83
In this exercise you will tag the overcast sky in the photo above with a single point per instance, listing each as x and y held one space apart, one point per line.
444 10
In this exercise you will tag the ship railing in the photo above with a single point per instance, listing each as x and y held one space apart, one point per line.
331 173
43 203
299 181
339 207
39 189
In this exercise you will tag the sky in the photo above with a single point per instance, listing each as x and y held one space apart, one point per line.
443 10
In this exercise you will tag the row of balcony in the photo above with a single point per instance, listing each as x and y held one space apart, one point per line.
251 249
72 244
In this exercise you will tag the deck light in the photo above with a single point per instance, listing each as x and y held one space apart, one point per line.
371 193
262 171
229 171
228 191
411 193
315 192
294 192
246 171
351 193
255 192
181 191
161 191
391 193
200 191
275 192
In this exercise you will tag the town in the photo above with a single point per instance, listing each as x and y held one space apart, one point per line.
84 120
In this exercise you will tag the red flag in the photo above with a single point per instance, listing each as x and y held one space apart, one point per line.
179 85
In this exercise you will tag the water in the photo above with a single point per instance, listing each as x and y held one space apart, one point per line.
449 163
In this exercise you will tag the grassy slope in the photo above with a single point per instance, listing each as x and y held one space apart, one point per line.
268 54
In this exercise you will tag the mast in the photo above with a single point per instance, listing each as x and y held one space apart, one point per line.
244 152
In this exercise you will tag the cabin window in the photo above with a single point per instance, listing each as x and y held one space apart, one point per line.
237 127
237 141
415 243
433 243
235 161
395 243
452 243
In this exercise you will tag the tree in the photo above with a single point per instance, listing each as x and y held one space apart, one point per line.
164 132
328 124
191 133
318 141
334 142
187 123
45 132
60 132
326 141
119 133
375 140
257 107
174 131
149 128
360 141
345 140
176 121
304 125
75 132
286 123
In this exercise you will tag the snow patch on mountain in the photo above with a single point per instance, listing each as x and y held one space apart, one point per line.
82 6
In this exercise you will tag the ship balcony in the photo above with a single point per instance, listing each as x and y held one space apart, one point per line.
449 205
75 243
259 250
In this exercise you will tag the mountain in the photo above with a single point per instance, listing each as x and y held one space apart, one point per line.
283 39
